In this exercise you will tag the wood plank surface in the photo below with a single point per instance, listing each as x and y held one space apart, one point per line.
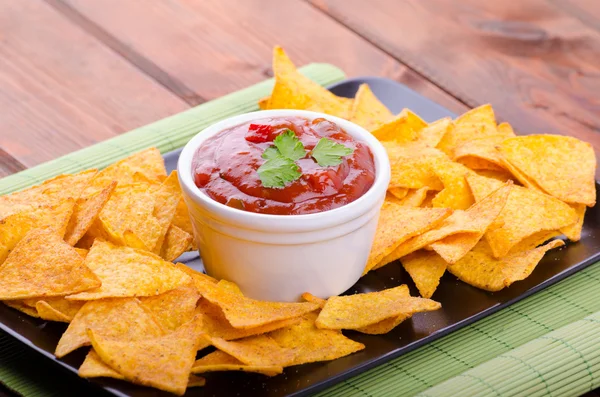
215 47
537 65
587 11
63 90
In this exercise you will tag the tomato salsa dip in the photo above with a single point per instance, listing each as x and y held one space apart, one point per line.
284 166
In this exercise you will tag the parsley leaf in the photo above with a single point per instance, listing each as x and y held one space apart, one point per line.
289 145
329 153
278 171
270 152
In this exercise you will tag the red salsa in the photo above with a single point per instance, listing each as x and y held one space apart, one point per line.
226 168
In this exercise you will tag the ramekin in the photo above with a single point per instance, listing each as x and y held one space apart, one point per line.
279 257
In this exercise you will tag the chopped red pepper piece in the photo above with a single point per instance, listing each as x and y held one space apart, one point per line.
259 133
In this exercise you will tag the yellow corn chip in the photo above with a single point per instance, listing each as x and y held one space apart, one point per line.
124 318
292 90
176 243
502 176
425 268
263 103
412 166
414 197
367 111
221 361
82 252
243 312
230 286
434 132
86 211
505 129
51 193
173 308
94 367
127 272
307 296
14 227
561 166
458 233
163 362
196 381
480 269
481 153
312 344
138 202
573 232
476 123
167 197
398 192
402 129
361 310
259 350
56 307
398 224
20 306
199 278
385 326
148 163
456 193
527 211
41 265
47 312
215 324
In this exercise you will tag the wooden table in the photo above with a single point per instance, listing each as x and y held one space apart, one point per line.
76 72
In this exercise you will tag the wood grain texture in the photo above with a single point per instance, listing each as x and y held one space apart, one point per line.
215 47
587 11
8 164
537 65
63 90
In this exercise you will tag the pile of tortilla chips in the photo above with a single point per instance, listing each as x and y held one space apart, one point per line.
95 249
466 195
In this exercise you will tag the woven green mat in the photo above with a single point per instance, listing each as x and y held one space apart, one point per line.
550 337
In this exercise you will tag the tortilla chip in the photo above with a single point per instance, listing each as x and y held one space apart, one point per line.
86 211
176 243
360 310
263 103
402 129
415 197
148 163
398 224
385 326
215 324
367 111
119 318
138 202
398 192
173 308
51 193
196 381
127 272
221 361
243 312
426 268
502 176
198 278
82 252
506 129
162 362
42 265
14 227
458 233
434 132
167 196
412 166
307 296
47 312
573 232
22 307
527 211
476 123
481 153
293 90
312 344
230 286
59 307
456 193
260 350
480 269
94 367
561 166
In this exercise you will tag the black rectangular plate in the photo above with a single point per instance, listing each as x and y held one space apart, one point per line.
462 304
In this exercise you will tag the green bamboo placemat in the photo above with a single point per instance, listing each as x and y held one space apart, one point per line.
452 358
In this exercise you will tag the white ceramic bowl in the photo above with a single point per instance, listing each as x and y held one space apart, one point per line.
279 257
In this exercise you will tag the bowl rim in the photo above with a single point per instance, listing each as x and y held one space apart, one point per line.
286 223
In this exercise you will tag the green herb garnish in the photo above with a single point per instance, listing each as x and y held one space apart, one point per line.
289 145
278 171
328 153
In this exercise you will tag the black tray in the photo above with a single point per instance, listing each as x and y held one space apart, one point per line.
462 304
